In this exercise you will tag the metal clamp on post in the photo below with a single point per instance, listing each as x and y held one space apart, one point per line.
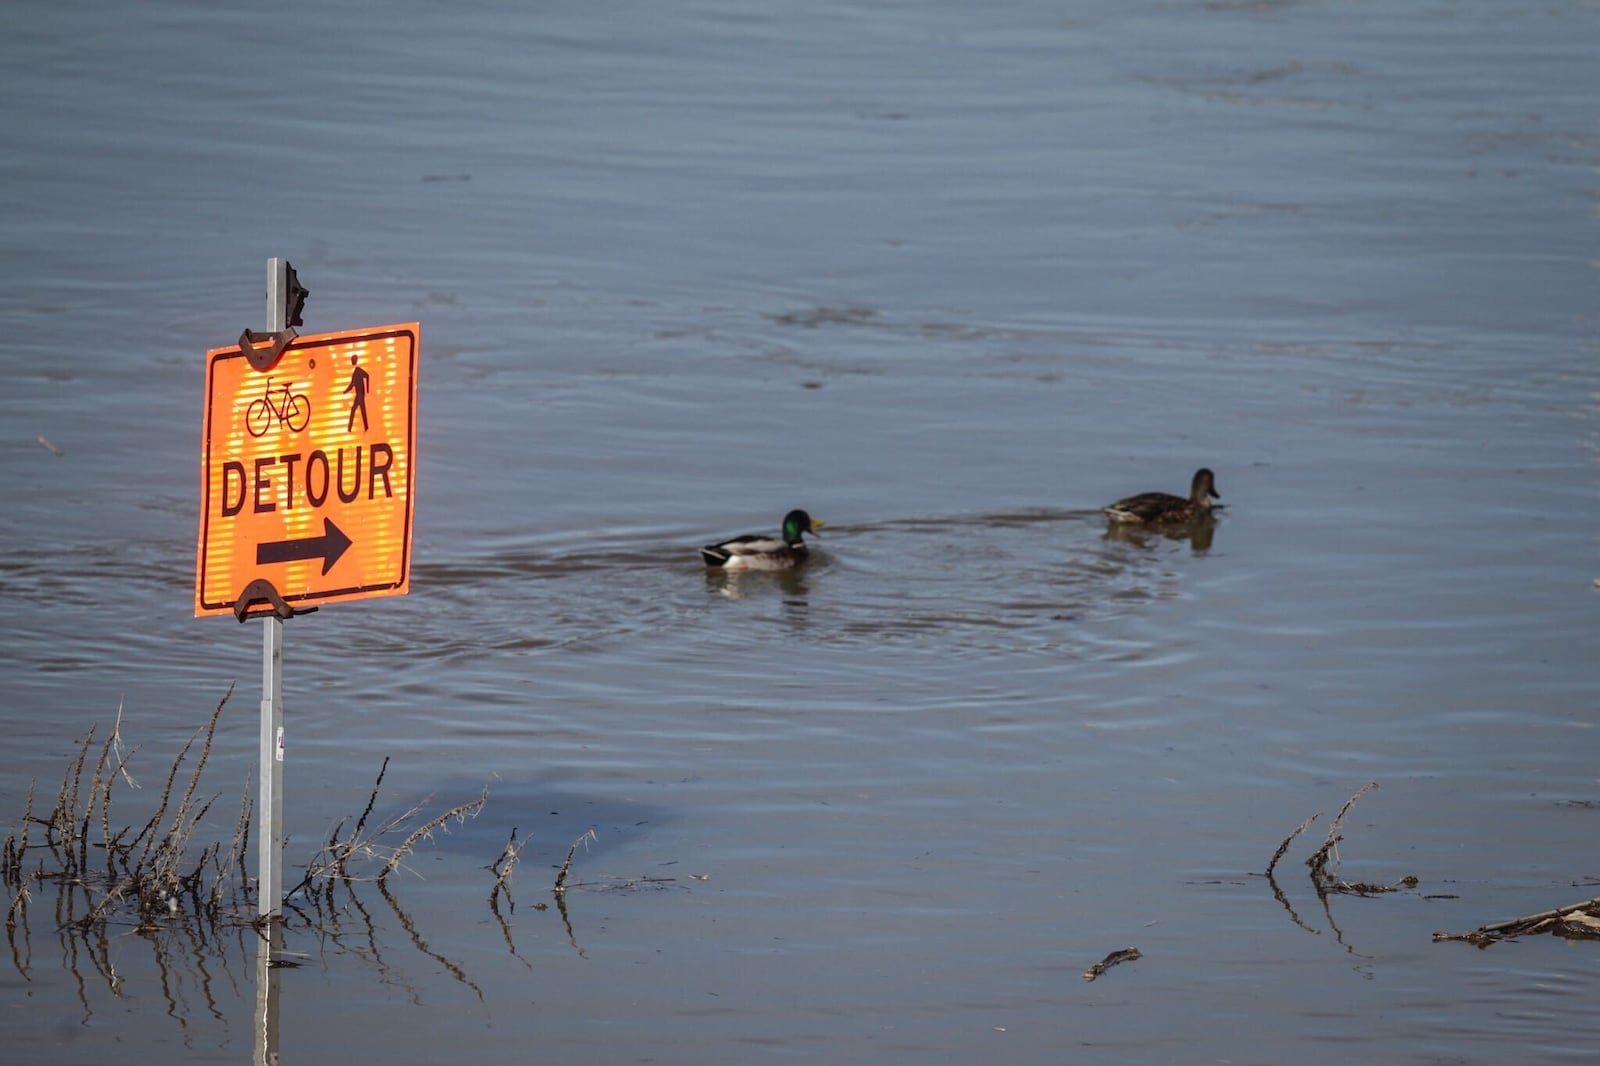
293 302
265 358
262 591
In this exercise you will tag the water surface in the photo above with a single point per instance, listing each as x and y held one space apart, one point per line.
950 278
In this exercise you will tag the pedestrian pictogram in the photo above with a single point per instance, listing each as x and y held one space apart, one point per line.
358 385
307 470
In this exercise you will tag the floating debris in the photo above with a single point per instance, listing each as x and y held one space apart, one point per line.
1577 921
1125 955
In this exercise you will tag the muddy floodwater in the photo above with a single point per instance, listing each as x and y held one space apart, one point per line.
950 277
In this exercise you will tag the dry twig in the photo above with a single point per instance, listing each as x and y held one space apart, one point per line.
561 878
1318 862
1284 847
425 831
503 867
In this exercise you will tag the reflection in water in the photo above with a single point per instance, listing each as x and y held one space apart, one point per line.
1198 534
454 969
269 945
187 951
183 954
978 581
738 584
995 520
975 582
204 923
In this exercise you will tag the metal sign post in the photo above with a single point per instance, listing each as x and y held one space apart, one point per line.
281 459
307 470
269 884
269 803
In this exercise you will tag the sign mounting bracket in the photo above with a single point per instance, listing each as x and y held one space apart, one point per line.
287 298
266 358
263 591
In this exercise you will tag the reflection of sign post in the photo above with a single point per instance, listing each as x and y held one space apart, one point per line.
307 470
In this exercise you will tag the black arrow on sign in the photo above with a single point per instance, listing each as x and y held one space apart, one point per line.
327 547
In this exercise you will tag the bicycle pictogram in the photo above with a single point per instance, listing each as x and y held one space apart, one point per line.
293 408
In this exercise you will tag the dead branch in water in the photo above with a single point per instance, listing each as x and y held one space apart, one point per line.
1284 847
425 831
1326 882
1319 861
561 878
342 850
503 867
334 859
1577 921
1125 955
12 871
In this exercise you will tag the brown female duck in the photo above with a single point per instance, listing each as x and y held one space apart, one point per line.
1163 508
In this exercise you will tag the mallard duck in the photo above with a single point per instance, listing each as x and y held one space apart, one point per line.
756 551
1161 508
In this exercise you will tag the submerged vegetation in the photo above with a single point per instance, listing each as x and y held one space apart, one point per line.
102 872
192 897
178 877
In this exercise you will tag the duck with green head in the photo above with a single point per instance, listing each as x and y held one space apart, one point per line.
759 551
1163 508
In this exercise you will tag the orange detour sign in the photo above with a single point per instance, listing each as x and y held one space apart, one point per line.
307 470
